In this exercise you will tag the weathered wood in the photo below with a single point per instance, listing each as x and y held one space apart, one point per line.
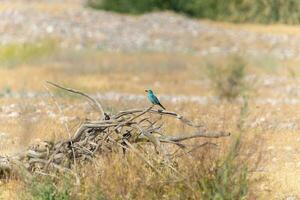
203 133
94 101
125 129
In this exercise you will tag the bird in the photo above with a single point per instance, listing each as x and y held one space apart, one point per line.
153 99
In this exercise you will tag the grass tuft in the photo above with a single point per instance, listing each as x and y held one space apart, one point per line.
44 188
228 180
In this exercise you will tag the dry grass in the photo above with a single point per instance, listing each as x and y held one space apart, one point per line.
117 177
267 136
270 127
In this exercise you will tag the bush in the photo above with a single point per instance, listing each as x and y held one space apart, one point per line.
46 189
228 79
228 180
262 11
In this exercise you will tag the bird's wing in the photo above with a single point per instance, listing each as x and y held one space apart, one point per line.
151 98
156 101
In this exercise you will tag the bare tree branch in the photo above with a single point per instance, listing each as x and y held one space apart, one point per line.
206 134
93 138
94 101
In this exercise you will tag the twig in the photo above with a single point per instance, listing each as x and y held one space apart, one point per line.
160 112
203 133
142 157
94 101
65 124
195 148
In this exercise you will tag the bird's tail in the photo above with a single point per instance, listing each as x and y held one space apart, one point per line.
161 106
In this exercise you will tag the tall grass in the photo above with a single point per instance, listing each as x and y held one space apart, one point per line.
262 11
204 174
228 180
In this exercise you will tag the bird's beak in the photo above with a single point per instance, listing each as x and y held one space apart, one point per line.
146 90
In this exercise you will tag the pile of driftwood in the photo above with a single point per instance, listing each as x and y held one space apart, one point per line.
121 131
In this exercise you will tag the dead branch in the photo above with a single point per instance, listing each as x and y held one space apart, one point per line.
160 112
94 101
202 133
122 131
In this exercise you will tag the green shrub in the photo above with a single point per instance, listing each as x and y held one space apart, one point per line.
228 180
46 189
63 188
228 79
262 11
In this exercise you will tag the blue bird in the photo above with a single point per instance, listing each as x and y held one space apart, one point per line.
153 99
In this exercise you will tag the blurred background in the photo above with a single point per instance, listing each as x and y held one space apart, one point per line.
227 63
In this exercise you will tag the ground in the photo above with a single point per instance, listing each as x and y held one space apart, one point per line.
116 57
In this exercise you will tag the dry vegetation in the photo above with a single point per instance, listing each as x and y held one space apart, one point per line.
253 95
254 98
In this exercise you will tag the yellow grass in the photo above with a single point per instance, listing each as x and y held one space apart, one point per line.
277 175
